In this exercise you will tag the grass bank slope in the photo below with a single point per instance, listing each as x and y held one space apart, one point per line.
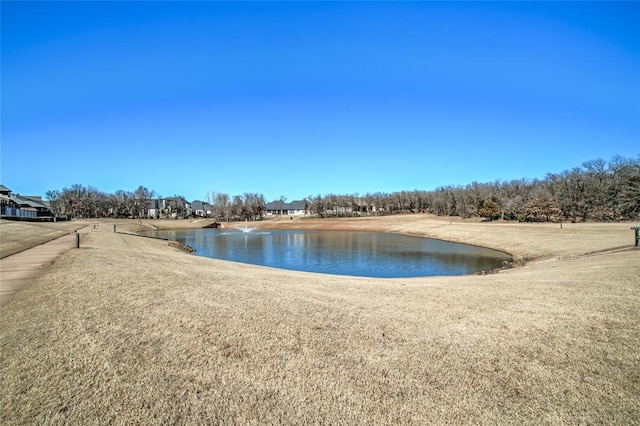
16 236
127 330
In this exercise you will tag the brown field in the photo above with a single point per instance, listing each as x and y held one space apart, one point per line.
129 330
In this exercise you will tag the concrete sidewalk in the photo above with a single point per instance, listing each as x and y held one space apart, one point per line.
18 270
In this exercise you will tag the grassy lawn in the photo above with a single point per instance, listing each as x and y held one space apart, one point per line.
129 330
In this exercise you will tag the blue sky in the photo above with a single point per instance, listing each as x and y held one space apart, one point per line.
301 98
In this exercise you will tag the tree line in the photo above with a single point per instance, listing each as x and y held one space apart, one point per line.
251 206
597 191
89 202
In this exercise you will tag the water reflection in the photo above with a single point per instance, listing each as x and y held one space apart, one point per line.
368 254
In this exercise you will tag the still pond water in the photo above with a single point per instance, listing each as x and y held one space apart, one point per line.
365 254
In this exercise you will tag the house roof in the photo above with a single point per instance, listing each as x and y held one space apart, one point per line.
278 205
197 205
296 205
36 198
176 199
28 202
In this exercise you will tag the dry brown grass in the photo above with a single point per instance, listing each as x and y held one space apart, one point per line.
18 236
128 330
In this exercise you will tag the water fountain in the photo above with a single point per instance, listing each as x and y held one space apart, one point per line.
246 229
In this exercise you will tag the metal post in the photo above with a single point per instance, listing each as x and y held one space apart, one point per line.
114 228
637 239
77 240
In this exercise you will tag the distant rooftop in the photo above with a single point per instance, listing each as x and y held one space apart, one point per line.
278 205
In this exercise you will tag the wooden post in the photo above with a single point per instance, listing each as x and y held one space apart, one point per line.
77 240
637 240
114 228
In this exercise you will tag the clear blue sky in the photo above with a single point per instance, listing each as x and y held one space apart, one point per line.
308 98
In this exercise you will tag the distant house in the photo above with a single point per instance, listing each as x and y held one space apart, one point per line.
198 208
176 207
294 208
32 203
14 206
363 206
156 208
354 206
6 203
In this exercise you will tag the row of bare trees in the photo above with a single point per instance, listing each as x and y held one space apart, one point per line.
597 191
251 206
87 201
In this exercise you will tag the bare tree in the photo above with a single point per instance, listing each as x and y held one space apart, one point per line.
222 206
142 197
53 196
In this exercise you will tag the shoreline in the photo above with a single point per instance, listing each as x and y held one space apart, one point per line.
507 263
431 227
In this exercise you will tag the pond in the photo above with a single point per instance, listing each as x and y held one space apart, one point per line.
354 253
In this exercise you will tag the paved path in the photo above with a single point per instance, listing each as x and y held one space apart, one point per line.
18 270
